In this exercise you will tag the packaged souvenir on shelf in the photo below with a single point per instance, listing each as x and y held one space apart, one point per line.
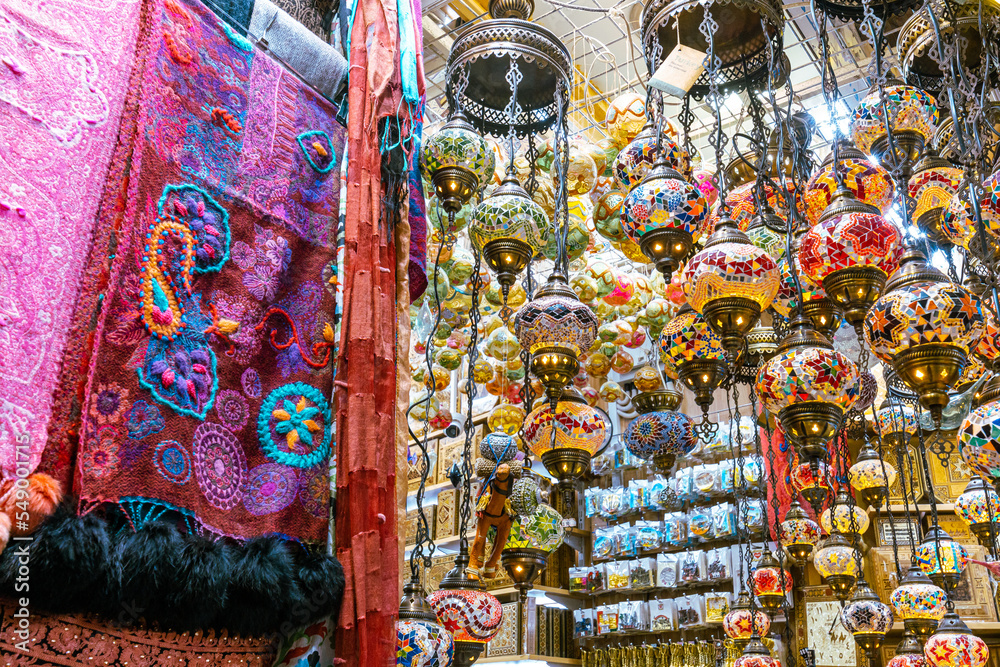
595 578
648 535
607 618
654 489
726 468
643 573
700 522
679 529
704 478
633 498
669 529
630 616
752 510
692 566
611 503
603 543
689 611
624 541
716 607
723 521
718 564
616 574
639 492
590 502
602 464
685 484
666 570
583 622
578 579
662 616
750 473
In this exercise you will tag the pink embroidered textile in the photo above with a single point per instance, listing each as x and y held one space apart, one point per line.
63 69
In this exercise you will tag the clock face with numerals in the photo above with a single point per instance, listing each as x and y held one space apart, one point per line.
827 636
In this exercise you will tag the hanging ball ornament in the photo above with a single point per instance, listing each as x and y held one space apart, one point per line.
625 117
979 440
607 215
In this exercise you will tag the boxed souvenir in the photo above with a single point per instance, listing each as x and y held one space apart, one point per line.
417 463
662 615
616 574
642 574
583 622
666 570
507 639
631 616
716 607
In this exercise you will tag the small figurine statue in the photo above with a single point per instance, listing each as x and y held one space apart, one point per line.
493 509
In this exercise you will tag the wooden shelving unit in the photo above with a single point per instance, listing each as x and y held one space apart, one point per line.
541 658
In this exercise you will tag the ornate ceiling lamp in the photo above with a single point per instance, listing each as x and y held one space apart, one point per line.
742 623
918 602
694 352
636 160
762 344
870 183
946 142
466 610
556 329
837 564
871 476
809 386
854 10
844 517
925 327
767 231
896 424
661 214
942 558
979 508
960 222
933 185
527 550
809 479
824 312
660 434
850 252
954 645
867 618
458 162
908 652
799 533
420 638
730 282
771 582
914 116
756 655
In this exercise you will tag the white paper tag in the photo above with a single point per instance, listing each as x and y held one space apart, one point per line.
679 71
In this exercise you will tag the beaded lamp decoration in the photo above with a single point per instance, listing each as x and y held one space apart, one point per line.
661 214
954 645
636 160
771 582
914 114
421 641
850 252
925 327
730 282
909 653
742 623
933 185
508 228
458 161
918 602
870 183
809 479
809 386
942 558
799 534
659 434
979 508
867 618
836 562
871 476
844 517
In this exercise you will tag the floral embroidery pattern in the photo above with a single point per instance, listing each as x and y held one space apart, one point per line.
264 264
143 420
109 403
100 458
173 461
233 409
247 313
318 149
251 383
220 465
294 425
314 492
270 488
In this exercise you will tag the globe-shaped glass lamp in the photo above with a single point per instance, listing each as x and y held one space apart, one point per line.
836 561
979 440
918 602
954 645
771 582
942 558
661 436
625 117
421 640
756 655
844 516
869 182
909 653
914 117
809 479
871 476
531 541
988 349
824 313
933 185
466 610
799 533
896 424
740 624
458 161
637 158
693 352
867 618
979 508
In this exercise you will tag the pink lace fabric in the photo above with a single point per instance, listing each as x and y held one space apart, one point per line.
64 65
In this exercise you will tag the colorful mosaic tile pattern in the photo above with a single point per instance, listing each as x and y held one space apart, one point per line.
871 474
663 202
688 337
660 433
730 270
912 601
423 644
958 221
608 215
867 616
896 419
625 117
949 650
835 560
928 312
838 518
799 531
870 183
802 477
635 160
743 206
768 240
574 426
787 297
739 623
509 216
771 581
910 110
979 440
852 239
542 530
577 234
807 374
980 505
458 147
469 615
945 556
989 344
556 320
933 188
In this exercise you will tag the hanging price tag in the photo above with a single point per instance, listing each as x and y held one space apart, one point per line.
679 71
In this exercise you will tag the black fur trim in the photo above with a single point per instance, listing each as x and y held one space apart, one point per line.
322 582
264 587
149 561
202 588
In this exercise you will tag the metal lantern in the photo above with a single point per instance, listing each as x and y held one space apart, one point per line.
979 508
694 352
799 534
954 645
809 386
913 115
466 610
659 434
756 655
458 161
844 516
809 479
925 327
942 558
531 540
741 624
635 161
896 424
836 562
871 476
730 282
918 602
825 314
771 582
421 641
867 618
979 440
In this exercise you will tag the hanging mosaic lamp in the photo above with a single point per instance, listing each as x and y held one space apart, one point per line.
421 641
659 434
979 508
909 653
845 517
836 562
466 610
730 282
799 534
741 623
756 655
925 327
458 161
809 479
871 476
896 424
914 116
979 440
809 386
867 618
508 228
661 214
556 329
531 540
625 118
767 231
825 314
960 222
918 602
694 352
942 558
988 349
635 161
869 183
954 645
933 185
850 252
771 582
